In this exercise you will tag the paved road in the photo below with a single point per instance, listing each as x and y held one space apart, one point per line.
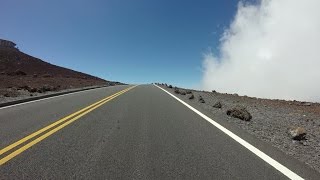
141 134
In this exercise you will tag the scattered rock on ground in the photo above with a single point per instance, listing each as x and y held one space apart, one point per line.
11 93
306 104
20 73
191 96
201 100
183 93
271 121
217 105
297 133
17 73
33 90
170 86
47 75
27 88
240 113
45 89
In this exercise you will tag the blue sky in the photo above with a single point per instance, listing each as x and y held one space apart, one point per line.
132 41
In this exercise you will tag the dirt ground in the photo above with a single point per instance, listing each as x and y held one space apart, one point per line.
23 75
271 120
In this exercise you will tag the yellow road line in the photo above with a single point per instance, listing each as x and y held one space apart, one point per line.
8 148
77 115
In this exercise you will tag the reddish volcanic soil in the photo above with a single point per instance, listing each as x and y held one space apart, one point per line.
19 71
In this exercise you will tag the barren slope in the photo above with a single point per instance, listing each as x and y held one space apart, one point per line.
21 74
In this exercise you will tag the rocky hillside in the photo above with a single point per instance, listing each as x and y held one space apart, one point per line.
21 73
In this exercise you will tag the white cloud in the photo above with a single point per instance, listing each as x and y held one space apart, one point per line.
270 50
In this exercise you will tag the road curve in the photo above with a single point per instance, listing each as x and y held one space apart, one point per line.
140 133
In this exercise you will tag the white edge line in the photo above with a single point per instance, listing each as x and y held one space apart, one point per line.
5 107
284 170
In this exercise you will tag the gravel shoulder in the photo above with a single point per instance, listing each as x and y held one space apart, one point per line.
271 120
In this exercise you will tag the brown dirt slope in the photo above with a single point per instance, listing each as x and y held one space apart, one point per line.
19 71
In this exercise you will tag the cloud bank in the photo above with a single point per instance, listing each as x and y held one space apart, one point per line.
270 50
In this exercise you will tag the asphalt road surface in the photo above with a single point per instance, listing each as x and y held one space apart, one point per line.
125 132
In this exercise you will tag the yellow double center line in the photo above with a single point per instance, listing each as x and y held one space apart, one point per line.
54 127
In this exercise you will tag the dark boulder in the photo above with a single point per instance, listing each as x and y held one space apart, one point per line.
11 93
44 89
27 88
297 133
177 91
16 73
217 105
201 100
20 73
183 93
240 113
33 90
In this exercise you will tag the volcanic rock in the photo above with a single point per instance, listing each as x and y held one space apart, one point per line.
201 100
183 93
217 105
191 96
240 113
176 90
297 133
